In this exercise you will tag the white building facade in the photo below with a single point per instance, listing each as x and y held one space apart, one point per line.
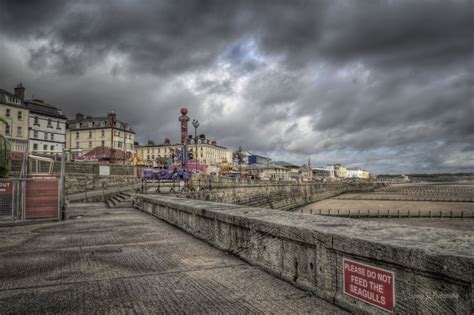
356 172
47 128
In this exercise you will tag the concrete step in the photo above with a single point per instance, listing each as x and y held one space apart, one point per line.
120 200
121 197
111 203
116 199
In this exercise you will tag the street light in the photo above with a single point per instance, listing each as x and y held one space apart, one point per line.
240 161
195 125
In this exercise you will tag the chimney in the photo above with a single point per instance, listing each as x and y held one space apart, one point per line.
79 116
112 117
20 91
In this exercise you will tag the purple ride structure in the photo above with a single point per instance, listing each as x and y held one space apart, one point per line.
177 171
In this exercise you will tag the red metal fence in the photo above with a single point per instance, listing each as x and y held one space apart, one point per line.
30 198
42 198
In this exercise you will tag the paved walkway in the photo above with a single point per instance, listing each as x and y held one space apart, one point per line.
128 262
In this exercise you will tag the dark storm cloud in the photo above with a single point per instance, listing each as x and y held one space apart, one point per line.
395 33
384 84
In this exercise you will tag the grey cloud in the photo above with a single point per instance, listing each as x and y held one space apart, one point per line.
385 84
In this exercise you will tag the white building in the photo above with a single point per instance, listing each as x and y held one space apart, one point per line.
357 172
47 128
330 169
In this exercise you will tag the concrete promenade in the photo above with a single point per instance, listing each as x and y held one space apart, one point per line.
126 261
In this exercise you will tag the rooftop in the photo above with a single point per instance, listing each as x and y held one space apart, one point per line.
82 123
40 107
4 100
285 164
257 166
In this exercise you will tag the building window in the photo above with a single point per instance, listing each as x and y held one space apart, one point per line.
103 143
45 147
7 129
18 132
90 144
77 134
7 114
77 144
51 148
58 125
20 115
52 136
45 136
35 146
102 134
90 134
36 120
35 134
49 123
119 144
90 124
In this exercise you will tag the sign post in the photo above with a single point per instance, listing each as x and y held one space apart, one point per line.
372 285
6 199
104 170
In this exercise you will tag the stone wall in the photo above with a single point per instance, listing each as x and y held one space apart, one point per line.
283 196
77 183
433 268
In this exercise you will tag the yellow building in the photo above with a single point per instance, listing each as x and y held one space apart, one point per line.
151 152
340 171
206 151
86 133
16 114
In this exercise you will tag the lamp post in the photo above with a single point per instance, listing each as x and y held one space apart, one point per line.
240 162
195 125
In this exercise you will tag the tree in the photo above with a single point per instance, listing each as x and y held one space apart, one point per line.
4 153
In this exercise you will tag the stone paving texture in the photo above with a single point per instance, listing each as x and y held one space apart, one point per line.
126 261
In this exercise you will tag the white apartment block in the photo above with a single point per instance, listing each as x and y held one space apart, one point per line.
47 128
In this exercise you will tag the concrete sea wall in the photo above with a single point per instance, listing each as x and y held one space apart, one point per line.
282 196
433 268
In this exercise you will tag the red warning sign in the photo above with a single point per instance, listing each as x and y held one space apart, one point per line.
369 284
5 188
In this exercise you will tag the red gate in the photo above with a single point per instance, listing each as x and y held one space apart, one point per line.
42 198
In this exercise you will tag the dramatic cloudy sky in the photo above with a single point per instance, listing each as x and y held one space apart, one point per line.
385 85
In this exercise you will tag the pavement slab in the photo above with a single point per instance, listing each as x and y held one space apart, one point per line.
125 261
